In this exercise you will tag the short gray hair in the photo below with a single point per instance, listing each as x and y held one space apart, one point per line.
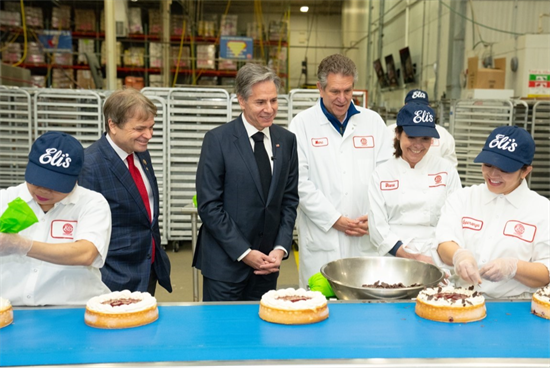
250 74
125 104
336 64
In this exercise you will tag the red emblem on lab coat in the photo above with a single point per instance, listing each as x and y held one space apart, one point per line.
439 179
520 230
62 229
366 141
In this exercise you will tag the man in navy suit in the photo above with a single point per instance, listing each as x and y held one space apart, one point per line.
119 166
247 214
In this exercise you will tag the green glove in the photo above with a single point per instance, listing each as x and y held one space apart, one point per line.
17 217
195 200
318 282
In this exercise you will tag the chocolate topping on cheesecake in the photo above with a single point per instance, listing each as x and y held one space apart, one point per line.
119 302
293 298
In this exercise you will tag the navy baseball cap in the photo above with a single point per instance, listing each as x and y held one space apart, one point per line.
55 162
417 96
417 120
508 148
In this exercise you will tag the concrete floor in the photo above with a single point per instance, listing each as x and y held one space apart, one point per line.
182 276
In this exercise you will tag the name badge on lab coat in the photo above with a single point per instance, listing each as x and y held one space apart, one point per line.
471 223
389 185
63 229
319 142
520 230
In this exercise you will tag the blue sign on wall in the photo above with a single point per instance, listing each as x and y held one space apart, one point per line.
60 41
237 48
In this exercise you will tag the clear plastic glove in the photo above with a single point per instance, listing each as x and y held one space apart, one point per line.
466 266
500 269
11 244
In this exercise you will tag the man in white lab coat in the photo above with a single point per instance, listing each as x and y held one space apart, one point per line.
339 146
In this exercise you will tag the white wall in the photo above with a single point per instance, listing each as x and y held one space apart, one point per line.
314 38
423 26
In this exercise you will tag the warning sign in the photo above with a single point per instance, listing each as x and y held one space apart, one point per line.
539 83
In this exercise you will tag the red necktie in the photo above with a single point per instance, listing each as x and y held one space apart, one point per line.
136 175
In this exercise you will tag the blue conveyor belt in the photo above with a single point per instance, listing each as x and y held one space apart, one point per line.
234 332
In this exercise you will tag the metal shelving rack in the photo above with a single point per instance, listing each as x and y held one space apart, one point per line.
157 150
471 123
76 112
15 135
191 113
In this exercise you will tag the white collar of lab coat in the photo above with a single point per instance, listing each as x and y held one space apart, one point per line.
515 198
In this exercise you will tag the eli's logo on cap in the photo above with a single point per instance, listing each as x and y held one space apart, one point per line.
423 116
418 94
503 142
55 157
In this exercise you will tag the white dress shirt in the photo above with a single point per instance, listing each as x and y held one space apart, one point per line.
123 156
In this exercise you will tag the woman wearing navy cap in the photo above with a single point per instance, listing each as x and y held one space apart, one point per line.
406 193
496 234
55 261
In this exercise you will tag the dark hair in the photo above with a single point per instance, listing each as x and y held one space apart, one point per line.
250 74
396 143
336 64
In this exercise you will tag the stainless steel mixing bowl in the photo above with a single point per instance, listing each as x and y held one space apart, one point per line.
347 275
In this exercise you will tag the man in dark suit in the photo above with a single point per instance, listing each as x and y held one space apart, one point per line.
247 194
119 166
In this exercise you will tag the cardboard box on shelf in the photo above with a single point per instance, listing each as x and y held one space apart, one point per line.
10 18
61 17
155 80
62 78
485 78
184 60
155 22
84 20
84 79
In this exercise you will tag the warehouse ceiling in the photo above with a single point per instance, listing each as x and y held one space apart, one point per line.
316 7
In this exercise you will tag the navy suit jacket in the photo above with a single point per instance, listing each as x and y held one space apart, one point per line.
234 214
128 263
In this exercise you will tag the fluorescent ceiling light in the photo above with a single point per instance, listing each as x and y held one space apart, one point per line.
304 9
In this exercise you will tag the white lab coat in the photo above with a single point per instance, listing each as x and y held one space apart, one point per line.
334 173
494 226
82 215
405 203
442 147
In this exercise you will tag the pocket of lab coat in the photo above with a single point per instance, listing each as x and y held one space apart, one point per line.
315 239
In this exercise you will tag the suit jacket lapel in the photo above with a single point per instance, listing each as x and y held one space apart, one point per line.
119 169
242 142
